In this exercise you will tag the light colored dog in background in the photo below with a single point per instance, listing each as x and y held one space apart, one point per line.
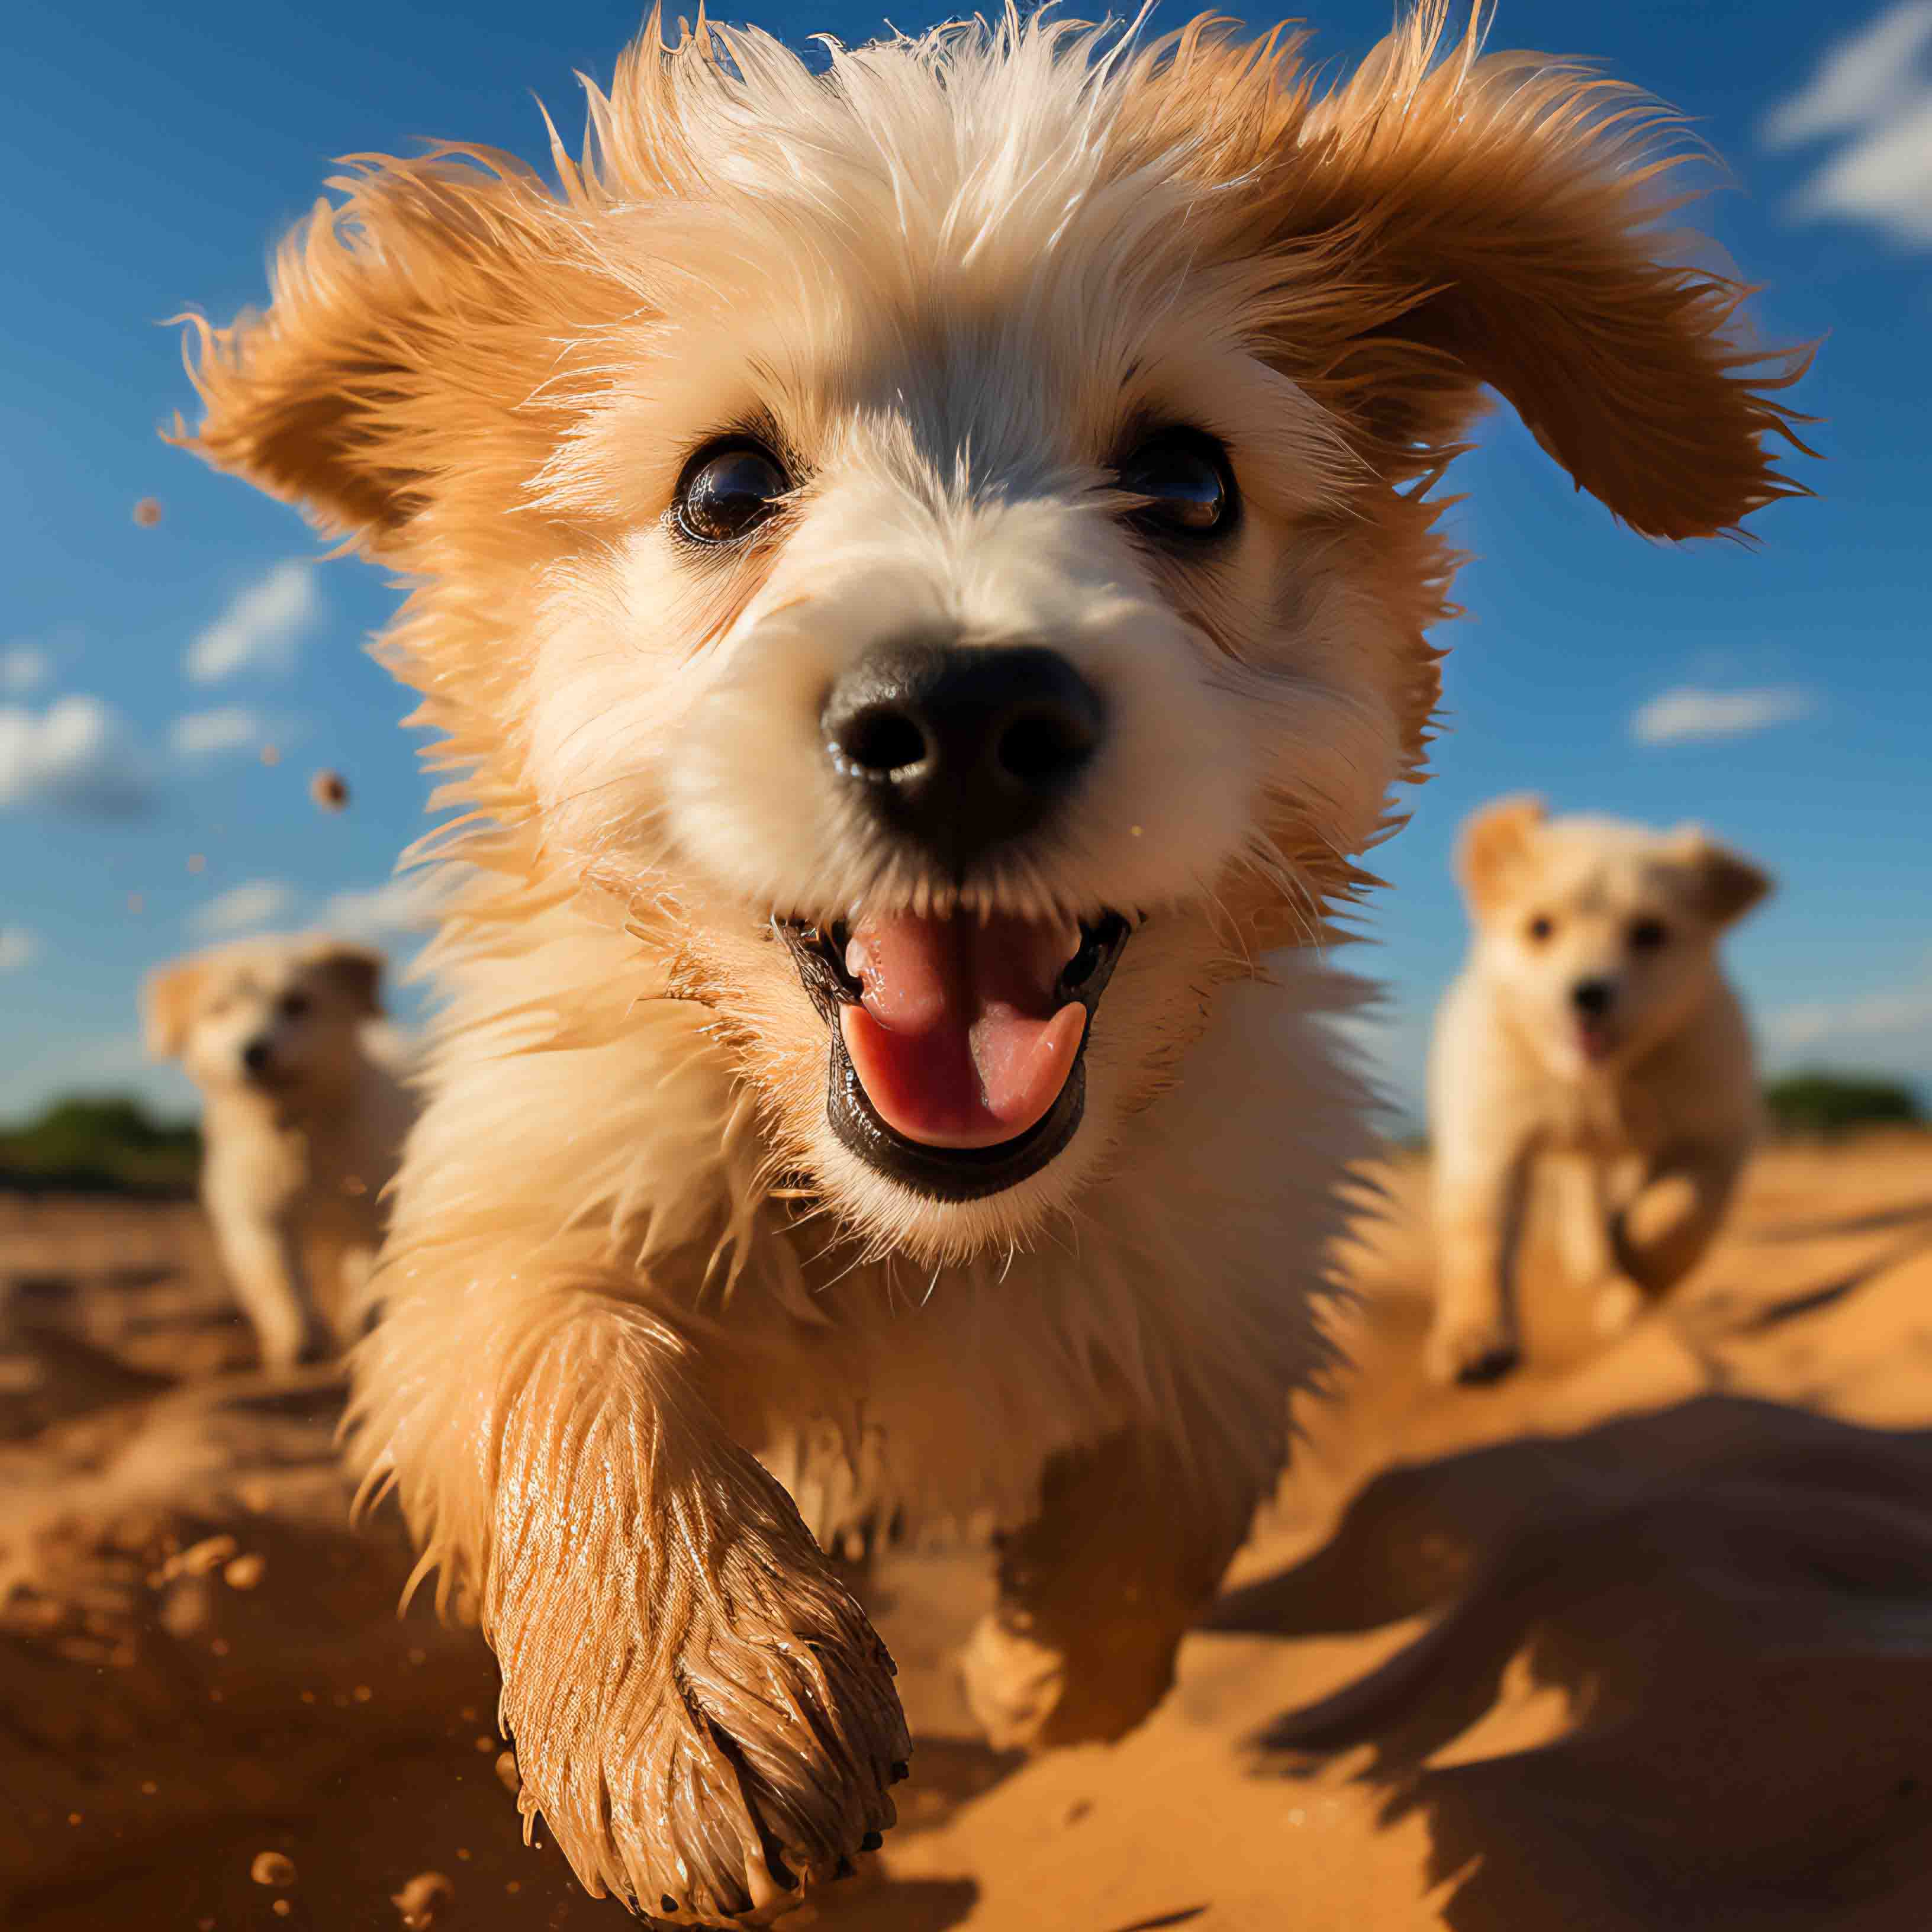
1593 1022
921 562
303 1126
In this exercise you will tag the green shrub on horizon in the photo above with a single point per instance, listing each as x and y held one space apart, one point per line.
1819 1102
110 1144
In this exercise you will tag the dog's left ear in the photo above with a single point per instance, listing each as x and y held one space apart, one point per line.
1440 225
357 970
1727 884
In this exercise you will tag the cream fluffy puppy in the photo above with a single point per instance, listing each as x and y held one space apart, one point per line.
1593 1022
303 1126
921 558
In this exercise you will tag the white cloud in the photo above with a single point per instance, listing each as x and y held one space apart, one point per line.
1887 1015
1875 90
200 734
1885 178
261 628
23 669
241 909
1687 716
78 756
18 947
1865 79
406 904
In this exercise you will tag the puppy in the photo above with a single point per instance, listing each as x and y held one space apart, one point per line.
921 562
1593 1021
303 1124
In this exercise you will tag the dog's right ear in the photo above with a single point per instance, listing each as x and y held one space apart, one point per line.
1728 884
1492 843
357 970
168 996
398 345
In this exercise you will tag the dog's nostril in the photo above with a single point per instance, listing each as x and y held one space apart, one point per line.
255 1055
1040 747
881 742
1592 997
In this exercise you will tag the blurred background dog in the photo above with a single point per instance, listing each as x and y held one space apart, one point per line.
303 1117
1593 1022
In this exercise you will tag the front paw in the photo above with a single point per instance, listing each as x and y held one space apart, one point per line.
1616 1308
1012 1683
1472 1350
1026 1693
710 1782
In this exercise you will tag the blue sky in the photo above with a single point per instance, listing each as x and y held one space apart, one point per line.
1782 695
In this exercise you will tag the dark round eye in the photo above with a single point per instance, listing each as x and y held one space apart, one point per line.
1540 928
727 489
293 1006
1184 475
1646 935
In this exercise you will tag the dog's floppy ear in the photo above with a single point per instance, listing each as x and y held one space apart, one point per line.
1491 844
392 348
356 969
168 996
1727 883
1439 225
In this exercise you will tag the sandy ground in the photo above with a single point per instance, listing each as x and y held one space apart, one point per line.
1641 1638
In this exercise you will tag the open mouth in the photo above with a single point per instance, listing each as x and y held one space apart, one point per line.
1595 1042
957 1043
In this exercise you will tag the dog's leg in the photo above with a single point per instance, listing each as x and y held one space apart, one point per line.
1662 1233
1478 1223
264 1262
1582 1219
1095 1593
701 1711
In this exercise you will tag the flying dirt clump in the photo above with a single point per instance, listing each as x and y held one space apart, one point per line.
424 1900
330 790
147 512
275 1868
243 1573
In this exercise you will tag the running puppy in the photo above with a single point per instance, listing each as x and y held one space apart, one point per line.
1593 1022
922 570
303 1126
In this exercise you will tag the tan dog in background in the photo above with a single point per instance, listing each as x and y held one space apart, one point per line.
303 1126
1594 1022
922 565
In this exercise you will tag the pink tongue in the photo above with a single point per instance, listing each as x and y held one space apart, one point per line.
957 1042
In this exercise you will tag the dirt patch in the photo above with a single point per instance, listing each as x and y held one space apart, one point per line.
1641 1638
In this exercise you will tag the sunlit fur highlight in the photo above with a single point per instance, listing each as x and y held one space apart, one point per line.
946 277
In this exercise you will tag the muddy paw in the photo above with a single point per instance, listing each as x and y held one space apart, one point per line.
1473 1353
710 1778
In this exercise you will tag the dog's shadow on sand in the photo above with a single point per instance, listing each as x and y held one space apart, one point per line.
1732 1605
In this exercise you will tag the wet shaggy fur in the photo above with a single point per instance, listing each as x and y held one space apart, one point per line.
653 1334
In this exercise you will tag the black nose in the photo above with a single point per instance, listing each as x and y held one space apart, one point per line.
255 1055
959 749
1592 997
